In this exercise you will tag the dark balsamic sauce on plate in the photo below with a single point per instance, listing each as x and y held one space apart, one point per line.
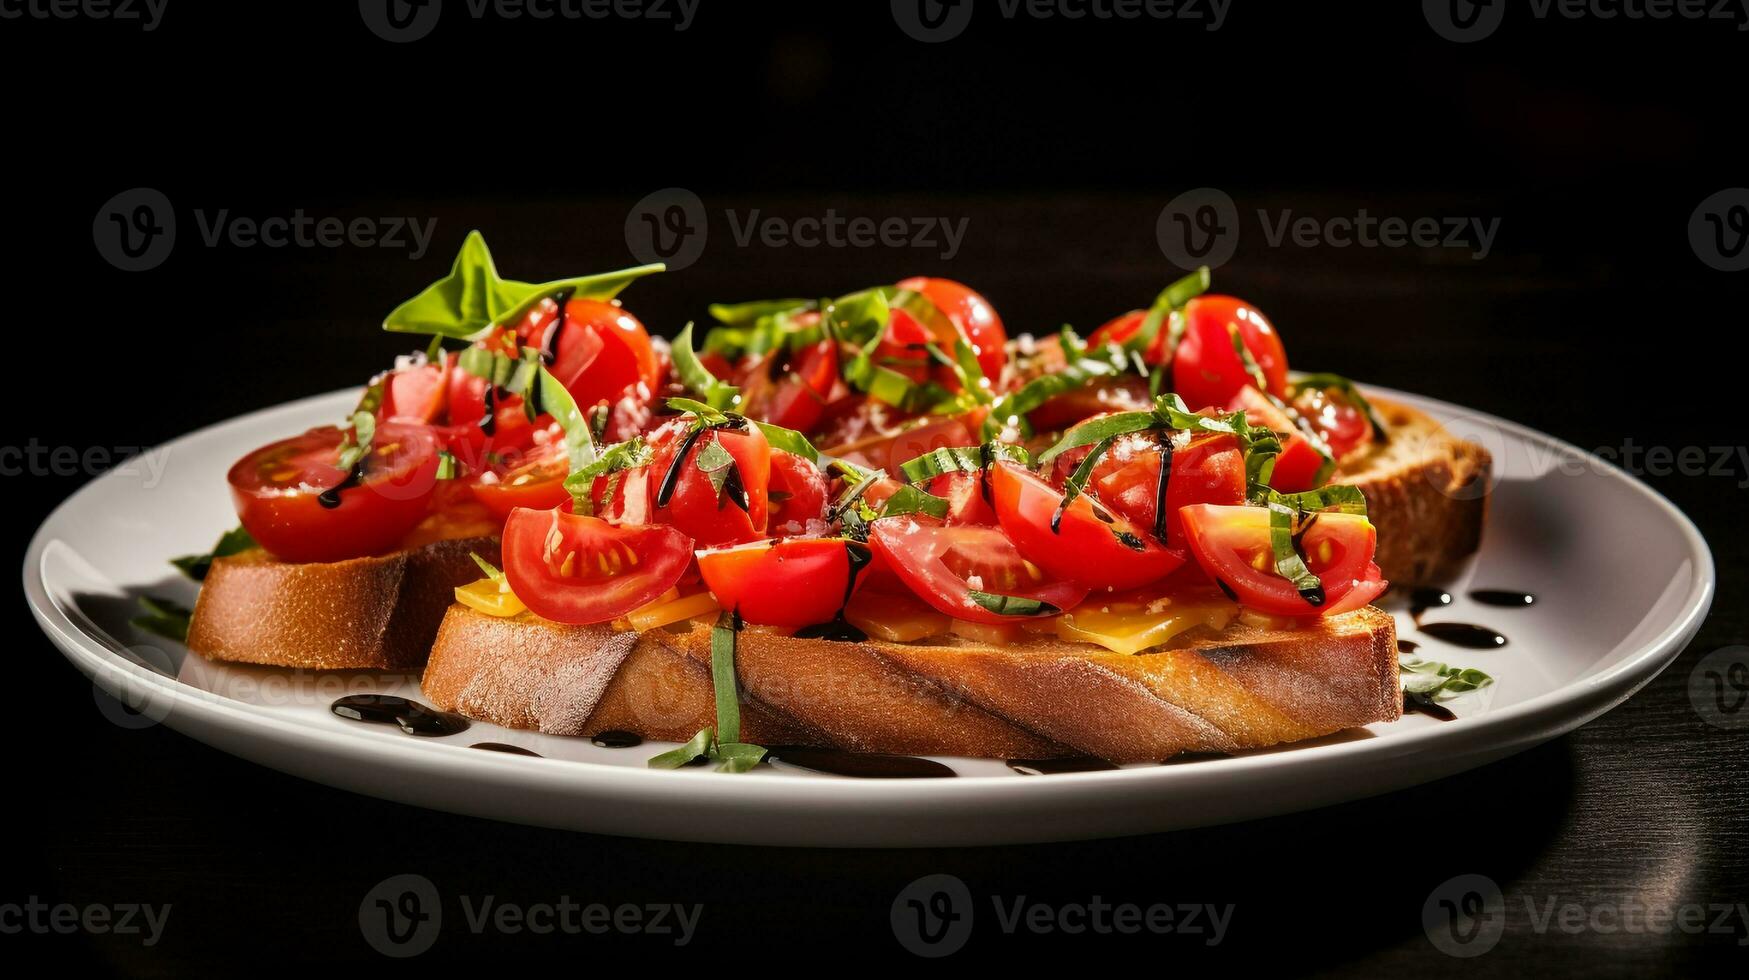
616 740
409 716
1465 635
862 765
1421 704
506 748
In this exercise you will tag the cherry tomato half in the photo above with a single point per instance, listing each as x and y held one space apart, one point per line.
579 570
535 480
680 493
1298 467
942 565
792 582
797 493
599 349
1206 469
416 394
301 507
1344 427
1090 545
790 389
1206 370
1232 544
973 315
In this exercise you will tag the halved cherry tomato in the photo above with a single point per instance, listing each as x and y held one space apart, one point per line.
1206 370
1206 469
1232 544
416 394
790 389
943 565
579 570
535 480
797 493
965 494
1121 328
1089 545
682 494
1344 427
973 315
598 351
301 507
792 582
1300 463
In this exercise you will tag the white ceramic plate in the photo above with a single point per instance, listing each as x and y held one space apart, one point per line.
1558 518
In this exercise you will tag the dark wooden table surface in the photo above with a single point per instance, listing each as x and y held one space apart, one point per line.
1590 318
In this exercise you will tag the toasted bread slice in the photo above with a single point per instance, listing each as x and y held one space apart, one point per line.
1426 492
1244 687
378 612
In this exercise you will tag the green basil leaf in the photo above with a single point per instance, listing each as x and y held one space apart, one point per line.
723 679
1008 605
742 314
1289 563
617 458
738 756
1077 481
551 398
473 298
675 758
447 469
1339 498
910 500
1099 430
1170 300
356 445
230 543
961 459
1081 371
697 378
789 440
694 407
1439 681
163 618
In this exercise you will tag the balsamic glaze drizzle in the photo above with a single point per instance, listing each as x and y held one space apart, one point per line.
863 765
1160 487
1503 597
1465 635
1421 704
616 739
838 627
409 716
505 748
549 347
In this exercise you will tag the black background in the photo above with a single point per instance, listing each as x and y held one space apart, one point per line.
1592 141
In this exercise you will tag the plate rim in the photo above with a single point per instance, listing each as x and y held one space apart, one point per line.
1546 715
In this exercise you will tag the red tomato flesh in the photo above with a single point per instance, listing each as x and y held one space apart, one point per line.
580 570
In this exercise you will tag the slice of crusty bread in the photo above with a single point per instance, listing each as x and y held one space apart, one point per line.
1245 687
1426 492
378 612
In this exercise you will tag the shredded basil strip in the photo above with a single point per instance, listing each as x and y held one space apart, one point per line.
1339 498
723 636
356 445
1010 605
788 440
1101 429
905 500
741 314
617 458
1170 300
554 400
1438 681
1350 392
675 758
474 298
961 459
1081 371
698 378
163 618
1073 486
1289 563
704 412
232 542
446 465
490 569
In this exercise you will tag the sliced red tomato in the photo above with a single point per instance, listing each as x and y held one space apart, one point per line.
301 507
1232 545
973 315
1089 545
597 350
966 495
797 492
1206 370
579 570
791 582
1298 467
1207 469
416 394
682 494
1344 427
1121 328
790 389
943 565
535 480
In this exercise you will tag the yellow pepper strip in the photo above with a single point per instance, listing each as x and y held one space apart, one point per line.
490 597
